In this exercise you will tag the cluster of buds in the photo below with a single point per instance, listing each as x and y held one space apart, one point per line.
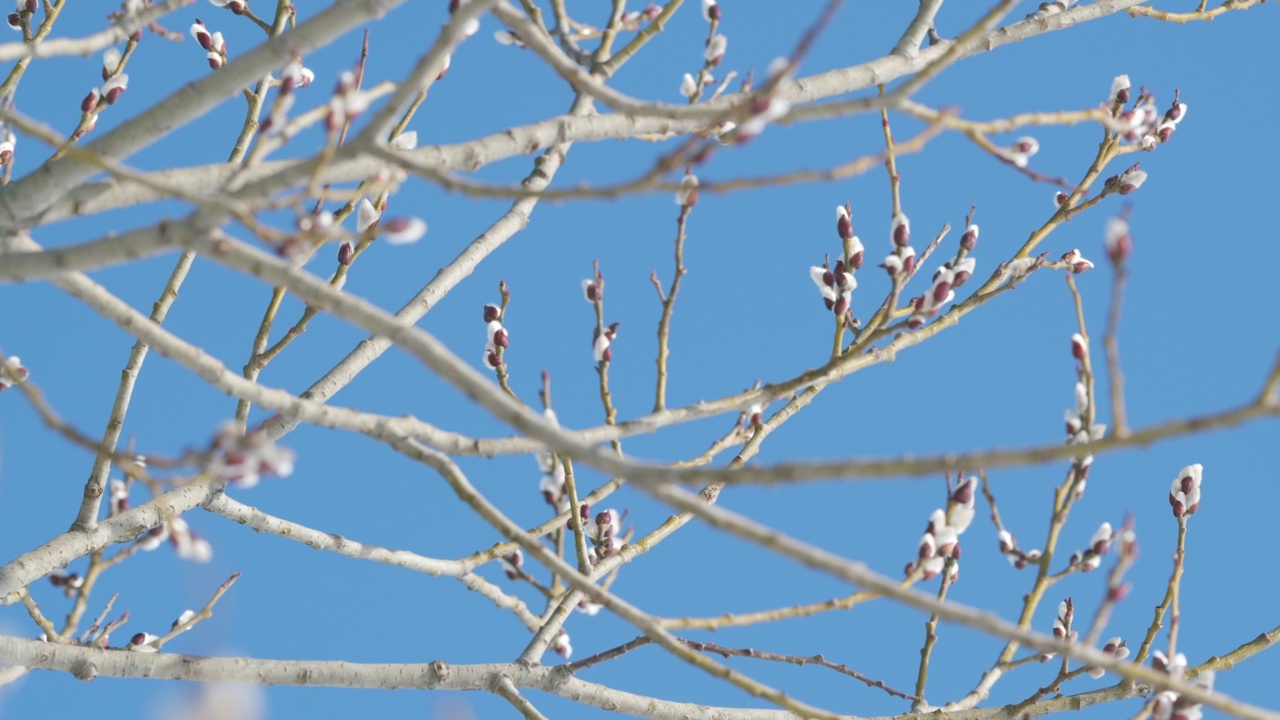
835 284
1169 705
951 275
1126 182
496 337
603 336
1144 124
311 230
1062 624
347 102
939 549
393 231
686 196
12 372
1016 556
1074 262
69 582
552 485
604 531
21 17
1020 152
511 564
293 76
763 111
1081 415
602 343
1115 647
185 542
1184 493
1062 627
853 250
213 44
902 262
765 107
1099 545
632 19
1075 418
243 458
115 84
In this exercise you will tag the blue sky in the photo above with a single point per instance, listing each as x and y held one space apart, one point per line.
1199 334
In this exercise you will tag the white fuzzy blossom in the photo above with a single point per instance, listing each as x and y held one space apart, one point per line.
1184 493
143 643
688 86
243 459
1021 151
1115 647
941 539
402 230
12 371
405 141
687 195
716 48
1120 89
366 215
561 646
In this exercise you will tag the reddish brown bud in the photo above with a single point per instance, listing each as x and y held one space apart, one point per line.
346 253
844 227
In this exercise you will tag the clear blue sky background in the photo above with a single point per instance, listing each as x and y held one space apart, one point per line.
1199 333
